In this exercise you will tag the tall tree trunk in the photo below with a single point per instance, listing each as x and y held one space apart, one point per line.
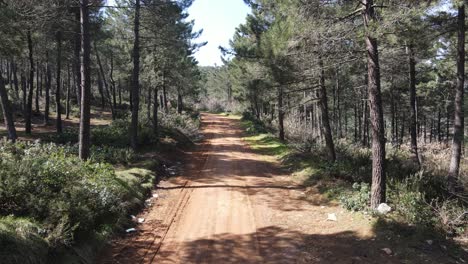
58 104
101 91
48 86
439 125
15 79
24 88
458 124
378 190
180 102
77 60
412 90
166 109
7 111
135 78
28 111
112 81
103 81
155 112
67 104
280 113
120 94
326 128
38 85
85 118
148 103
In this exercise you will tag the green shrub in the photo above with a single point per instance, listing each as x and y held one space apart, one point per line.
70 198
358 198
68 136
252 125
112 155
410 200
185 124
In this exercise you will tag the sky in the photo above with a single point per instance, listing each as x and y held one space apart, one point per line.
218 19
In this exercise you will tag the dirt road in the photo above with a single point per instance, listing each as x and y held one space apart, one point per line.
232 206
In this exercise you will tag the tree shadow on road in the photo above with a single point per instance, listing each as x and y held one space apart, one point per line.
277 245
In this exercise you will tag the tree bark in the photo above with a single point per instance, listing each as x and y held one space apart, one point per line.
37 88
104 81
15 79
166 109
378 190
85 117
112 81
67 105
412 90
28 112
280 113
58 104
458 124
7 111
77 61
326 128
135 78
155 113
48 86
180 102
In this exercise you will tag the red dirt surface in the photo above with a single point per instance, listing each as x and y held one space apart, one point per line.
230 205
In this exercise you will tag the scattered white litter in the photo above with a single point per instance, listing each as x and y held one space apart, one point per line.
332 217
132 216
155 195
131 230
429 242
141 220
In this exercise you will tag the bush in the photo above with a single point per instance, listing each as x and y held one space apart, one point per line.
185 124
112 155
358 199
252 125
68 197
409 201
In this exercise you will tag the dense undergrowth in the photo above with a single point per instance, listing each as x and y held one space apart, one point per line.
55 208
419 197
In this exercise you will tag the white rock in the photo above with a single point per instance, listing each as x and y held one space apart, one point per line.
131 230
141 220
155 195
132 216
323 207
429 242
332 217
387 251
384 208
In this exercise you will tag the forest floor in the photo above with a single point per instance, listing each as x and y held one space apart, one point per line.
99 117
232 204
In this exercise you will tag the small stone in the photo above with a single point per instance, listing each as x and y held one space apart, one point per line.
141 220
384 208
332 217
387 251
429 242
132 216
155 195
323 207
